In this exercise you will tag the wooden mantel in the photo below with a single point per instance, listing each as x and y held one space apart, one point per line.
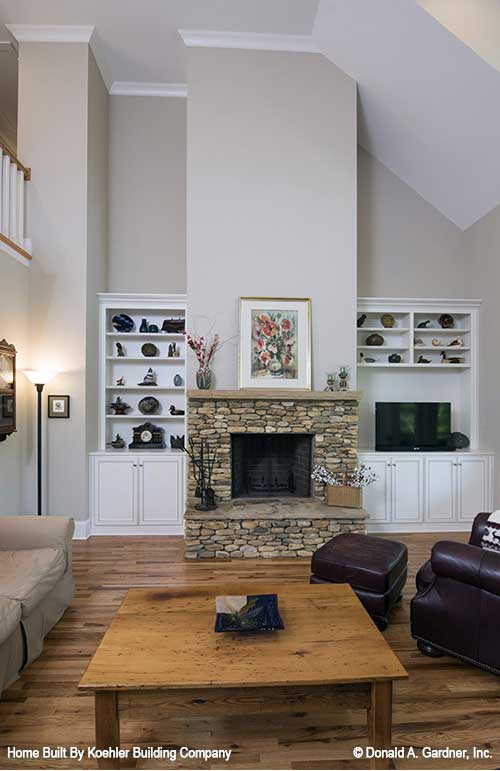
270 394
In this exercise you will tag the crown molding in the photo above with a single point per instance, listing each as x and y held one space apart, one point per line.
51 33
254 41
129 88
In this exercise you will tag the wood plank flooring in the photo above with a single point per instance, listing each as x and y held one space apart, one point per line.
443 703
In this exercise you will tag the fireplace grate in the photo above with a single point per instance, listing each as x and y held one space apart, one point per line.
266 465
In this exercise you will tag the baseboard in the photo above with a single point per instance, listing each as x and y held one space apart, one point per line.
419 527
82 530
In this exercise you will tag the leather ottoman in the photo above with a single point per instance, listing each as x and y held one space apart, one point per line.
375 568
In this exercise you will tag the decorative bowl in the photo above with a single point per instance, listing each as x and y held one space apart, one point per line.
149 405
122 322
149 349
250 613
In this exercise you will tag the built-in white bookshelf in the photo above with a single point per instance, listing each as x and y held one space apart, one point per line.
424 373
131 367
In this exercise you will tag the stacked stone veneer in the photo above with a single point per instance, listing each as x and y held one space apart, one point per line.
278 528
251 528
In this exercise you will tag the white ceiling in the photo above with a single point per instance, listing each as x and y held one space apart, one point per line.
429 104
137 40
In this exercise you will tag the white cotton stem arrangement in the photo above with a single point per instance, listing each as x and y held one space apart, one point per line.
361 476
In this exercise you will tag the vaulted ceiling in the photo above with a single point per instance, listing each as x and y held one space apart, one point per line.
427 71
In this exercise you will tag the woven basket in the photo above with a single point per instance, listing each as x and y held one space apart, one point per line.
346 497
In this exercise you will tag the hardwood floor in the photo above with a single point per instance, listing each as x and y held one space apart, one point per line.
444 702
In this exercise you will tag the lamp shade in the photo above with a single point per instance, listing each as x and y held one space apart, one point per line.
39 377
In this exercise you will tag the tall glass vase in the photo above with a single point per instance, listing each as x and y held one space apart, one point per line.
204 378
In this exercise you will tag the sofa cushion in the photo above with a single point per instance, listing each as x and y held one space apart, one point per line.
10 616
28 575
364 561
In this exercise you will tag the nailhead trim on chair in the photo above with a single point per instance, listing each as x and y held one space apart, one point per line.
459 655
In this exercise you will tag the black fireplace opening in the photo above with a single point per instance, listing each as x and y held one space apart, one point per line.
270 465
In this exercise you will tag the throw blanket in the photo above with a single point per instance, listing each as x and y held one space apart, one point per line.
491 537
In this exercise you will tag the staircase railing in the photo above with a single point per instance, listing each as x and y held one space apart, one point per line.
13 176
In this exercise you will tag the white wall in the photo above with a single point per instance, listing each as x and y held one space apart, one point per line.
14 328
271 197
482 243
406 248
147 194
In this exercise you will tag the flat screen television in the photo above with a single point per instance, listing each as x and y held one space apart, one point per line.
412 426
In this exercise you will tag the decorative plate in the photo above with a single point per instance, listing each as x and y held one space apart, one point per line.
122 322
248 613
149 349
149 405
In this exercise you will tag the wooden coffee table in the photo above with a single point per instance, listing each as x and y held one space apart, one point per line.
161 650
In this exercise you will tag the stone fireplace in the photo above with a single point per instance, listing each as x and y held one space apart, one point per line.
267 443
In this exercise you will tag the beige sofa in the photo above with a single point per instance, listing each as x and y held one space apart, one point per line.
36 586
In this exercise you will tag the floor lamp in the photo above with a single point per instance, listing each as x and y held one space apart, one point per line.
39 379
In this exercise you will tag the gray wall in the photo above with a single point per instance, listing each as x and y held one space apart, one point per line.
482 243
406 248
271 197
97 237
147 194
55 105
14 328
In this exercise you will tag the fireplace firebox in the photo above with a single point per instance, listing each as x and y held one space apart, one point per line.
271 465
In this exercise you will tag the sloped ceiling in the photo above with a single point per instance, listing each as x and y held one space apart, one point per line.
429 105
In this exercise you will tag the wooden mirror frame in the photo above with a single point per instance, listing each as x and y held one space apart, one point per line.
10 352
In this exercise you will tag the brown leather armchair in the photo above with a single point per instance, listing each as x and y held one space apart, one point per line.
456 610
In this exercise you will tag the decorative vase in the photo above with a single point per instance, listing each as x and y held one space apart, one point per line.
144 326
204 378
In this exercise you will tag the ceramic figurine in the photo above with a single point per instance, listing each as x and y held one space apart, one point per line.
177 442
452 360
418 341
387 320
421 360
177 380
123 323
118 442
120 350
361 320
172 350
446 321
343 376
394 358
374 339
149 378
120 407
153 329
120 381
423 324
330 383
457 342
174 411
144 326
436 342
366 359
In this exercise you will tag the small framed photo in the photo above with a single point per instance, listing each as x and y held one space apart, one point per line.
58 406
275 342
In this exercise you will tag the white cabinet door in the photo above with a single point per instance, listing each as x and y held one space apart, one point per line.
407 489
440 482
161 490
472 488
377 496
115 490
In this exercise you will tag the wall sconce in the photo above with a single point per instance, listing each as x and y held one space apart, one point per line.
39 378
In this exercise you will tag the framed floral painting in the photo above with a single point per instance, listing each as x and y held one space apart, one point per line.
275 342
